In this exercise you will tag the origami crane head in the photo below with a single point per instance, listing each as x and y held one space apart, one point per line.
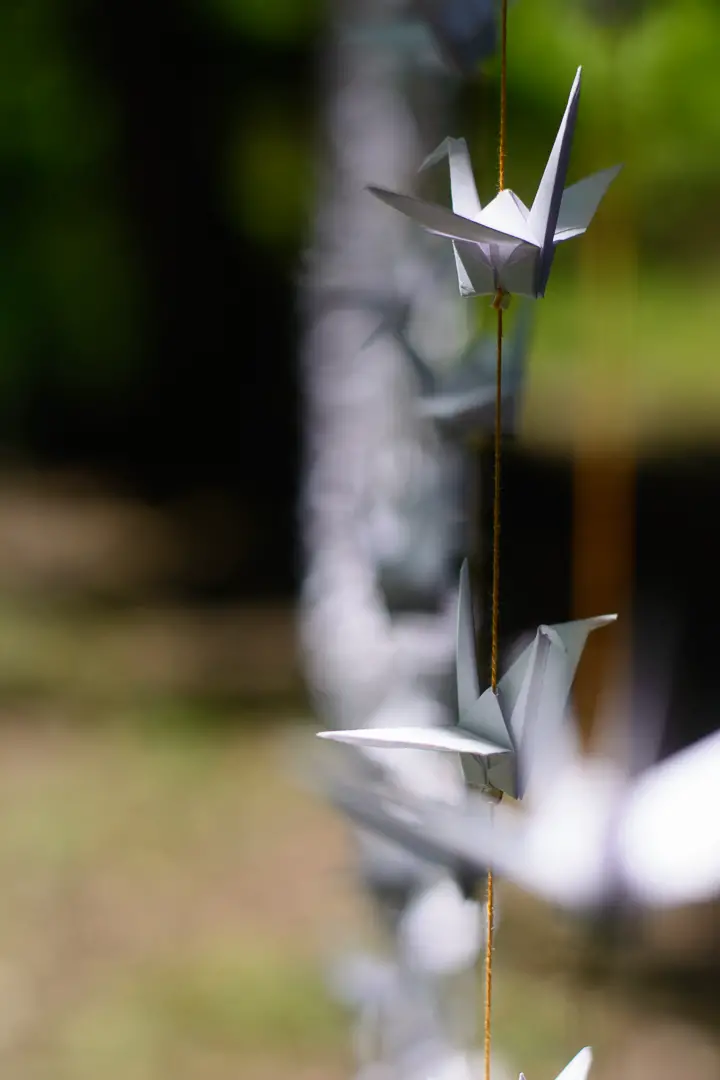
506 247
507 734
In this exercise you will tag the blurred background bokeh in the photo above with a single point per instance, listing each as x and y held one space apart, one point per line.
166 888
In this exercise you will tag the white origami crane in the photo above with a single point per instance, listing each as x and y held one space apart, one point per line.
594 838
499 732
461 399
505 247
577 1069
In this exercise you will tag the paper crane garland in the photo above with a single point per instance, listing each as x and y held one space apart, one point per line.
461 400
588 841
497 730
506 248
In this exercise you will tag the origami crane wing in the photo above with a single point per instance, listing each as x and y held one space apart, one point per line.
545 210
441 221
580 202
669 838
451 740
460 838
562 852
458 406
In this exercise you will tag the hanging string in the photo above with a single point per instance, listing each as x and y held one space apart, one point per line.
503 95
498 305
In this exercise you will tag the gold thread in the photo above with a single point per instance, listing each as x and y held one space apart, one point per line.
496 505
488 971
503 95
498 304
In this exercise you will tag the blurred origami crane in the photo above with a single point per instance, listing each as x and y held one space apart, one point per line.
461 398
451 35
465 30
510 733
594 841
505 247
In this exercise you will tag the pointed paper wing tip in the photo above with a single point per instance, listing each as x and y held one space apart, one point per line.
355 736
595 623
383 194
599 620
574 89
579 1067
438 153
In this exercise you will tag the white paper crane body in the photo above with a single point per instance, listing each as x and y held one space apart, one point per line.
507 247
500 732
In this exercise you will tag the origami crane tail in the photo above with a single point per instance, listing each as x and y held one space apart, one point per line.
464 839
545 210
580 202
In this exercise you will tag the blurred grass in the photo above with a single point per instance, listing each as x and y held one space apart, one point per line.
155 913
168 899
